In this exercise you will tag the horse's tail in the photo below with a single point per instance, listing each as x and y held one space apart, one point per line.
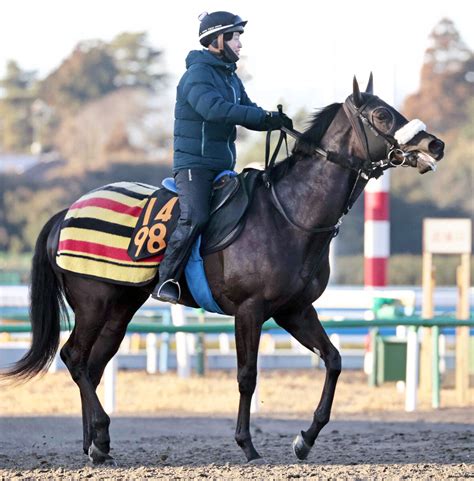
47 306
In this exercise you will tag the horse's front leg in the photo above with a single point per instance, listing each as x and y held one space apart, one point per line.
248 326
304 326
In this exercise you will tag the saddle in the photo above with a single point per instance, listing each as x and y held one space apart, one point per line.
231 197
119 232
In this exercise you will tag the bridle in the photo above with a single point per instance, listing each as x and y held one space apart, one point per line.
381 152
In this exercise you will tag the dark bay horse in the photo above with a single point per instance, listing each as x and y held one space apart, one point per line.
276 268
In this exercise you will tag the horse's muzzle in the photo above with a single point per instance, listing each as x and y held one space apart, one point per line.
436 148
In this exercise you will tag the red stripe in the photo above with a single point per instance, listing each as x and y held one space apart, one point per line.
375 271
83 247
376 205
108 204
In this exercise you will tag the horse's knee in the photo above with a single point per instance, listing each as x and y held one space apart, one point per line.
247 379
333 361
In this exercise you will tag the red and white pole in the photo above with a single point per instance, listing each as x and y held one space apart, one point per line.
377 231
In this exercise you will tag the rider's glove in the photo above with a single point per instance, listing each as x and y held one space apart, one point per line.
277 120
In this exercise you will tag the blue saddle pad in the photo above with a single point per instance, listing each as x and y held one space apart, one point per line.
170 184
197 280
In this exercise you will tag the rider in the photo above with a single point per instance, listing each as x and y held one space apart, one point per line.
210 102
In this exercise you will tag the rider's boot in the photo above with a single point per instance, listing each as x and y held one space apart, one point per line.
171 267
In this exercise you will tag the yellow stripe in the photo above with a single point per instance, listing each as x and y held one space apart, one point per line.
105 271
126 264
103 214
108 194
110 240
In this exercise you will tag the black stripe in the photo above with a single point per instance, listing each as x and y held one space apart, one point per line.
105 261
122 190
98 225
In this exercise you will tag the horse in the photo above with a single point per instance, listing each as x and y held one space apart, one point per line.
276 268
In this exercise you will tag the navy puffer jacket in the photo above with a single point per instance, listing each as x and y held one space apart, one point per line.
210 102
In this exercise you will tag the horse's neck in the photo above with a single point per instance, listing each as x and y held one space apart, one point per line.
316 190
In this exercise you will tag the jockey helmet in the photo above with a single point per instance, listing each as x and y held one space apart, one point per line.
216 23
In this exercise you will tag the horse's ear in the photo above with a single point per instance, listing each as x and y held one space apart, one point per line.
370 85
356 95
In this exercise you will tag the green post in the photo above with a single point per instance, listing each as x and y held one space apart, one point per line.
373 343
200 347
435 368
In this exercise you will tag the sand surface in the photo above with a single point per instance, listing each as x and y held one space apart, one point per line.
166 427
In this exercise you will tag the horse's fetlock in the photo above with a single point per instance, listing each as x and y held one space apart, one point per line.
242 438
101 423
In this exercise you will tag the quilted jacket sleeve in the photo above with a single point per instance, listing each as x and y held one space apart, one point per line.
245 100
205 98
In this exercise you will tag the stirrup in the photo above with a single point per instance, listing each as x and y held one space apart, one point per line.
169 291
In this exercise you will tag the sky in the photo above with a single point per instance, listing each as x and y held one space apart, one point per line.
301 52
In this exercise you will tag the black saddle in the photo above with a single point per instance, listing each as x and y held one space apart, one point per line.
231 197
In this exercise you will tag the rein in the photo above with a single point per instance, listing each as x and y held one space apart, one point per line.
365 169
370 138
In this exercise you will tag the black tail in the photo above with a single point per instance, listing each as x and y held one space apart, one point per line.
46 309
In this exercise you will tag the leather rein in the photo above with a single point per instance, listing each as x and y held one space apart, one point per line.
367 169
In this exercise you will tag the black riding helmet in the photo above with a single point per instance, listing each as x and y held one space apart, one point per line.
212 29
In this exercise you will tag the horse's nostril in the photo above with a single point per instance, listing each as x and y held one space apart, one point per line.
436 146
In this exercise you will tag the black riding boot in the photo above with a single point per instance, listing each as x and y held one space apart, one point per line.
194 187
172 266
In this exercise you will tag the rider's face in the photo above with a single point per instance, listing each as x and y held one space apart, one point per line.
234 43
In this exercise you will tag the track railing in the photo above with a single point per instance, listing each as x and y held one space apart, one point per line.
412 364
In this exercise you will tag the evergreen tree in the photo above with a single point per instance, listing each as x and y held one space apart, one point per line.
18 93
87 74
447 80
138 63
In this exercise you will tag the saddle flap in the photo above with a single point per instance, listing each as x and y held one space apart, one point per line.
223 191
229 219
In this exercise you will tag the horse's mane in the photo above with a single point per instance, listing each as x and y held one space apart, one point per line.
309 139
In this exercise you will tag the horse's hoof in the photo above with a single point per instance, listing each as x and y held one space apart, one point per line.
301 447
99 457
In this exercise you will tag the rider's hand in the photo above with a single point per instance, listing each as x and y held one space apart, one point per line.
277 120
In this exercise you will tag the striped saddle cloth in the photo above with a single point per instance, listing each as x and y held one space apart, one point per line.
118 232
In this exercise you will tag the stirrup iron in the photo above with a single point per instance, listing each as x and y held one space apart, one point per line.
162 296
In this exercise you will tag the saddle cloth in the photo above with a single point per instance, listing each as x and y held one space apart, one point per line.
119 232
96 232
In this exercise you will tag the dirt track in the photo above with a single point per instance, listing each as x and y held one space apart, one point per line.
186 447
196 440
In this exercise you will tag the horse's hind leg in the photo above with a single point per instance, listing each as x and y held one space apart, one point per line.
105 347
89 321
248 326
304 326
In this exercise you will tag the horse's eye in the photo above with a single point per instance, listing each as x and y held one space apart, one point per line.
383 115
